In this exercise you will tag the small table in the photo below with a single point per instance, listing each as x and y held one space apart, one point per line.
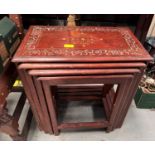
52 56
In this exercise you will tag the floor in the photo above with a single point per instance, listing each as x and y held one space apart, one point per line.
138 125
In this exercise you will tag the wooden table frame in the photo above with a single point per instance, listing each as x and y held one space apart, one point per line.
49 81
44 59
34 102
131 94
34 66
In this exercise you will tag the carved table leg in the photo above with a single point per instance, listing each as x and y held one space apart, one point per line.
9 124
6 125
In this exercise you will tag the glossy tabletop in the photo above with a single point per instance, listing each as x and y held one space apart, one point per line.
80 44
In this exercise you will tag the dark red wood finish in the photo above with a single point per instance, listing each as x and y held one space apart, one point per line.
51 56
80 44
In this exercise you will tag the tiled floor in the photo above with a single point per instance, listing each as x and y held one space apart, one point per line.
139 125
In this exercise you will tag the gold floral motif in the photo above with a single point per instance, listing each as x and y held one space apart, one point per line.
132 50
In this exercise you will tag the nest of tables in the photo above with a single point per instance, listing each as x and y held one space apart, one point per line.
59 64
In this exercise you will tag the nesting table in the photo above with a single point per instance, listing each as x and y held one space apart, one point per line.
58 63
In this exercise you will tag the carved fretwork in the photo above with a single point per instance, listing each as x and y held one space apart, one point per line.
18 20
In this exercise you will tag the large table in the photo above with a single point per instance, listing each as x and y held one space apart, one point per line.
80 63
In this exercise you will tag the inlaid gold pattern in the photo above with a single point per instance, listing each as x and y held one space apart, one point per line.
30 48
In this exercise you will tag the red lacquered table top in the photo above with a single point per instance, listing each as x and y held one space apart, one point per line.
80 44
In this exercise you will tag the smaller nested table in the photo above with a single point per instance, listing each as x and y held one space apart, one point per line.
80 63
